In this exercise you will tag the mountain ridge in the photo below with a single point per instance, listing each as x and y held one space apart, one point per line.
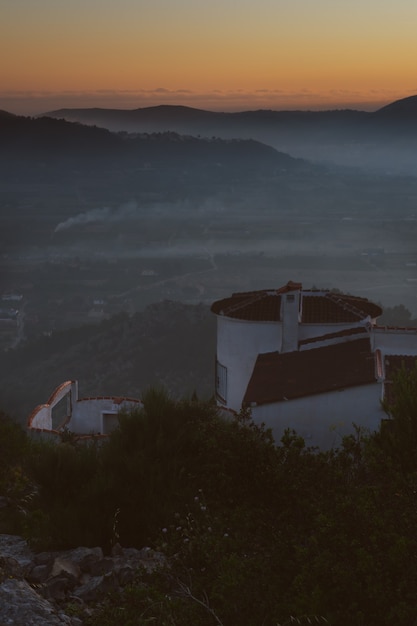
48 136
380 140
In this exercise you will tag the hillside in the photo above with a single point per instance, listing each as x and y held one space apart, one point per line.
406 108
384 139
25 137
169 344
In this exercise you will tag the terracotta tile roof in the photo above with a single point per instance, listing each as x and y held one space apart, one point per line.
277 377
317 306
347 332
262 306
332 308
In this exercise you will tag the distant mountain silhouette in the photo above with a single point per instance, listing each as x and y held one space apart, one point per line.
382 139
170 117
404 108
184 119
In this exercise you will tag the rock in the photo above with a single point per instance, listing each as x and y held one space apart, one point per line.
20 605
83 556
146 558
125 575
65 565
96 587
16 558
57 587
39 573
103 566
81 575
44 558
117 550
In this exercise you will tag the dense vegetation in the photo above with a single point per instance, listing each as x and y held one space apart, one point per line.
255 534
155 346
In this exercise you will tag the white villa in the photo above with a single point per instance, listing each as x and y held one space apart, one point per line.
85 417
310 360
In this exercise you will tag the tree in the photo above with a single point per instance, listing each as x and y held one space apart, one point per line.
399 433
397 315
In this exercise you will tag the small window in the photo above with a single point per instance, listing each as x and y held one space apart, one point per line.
221 382
290 297
110 422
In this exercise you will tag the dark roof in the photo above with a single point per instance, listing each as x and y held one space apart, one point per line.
278 377
340 334
317 306
332 308
262 306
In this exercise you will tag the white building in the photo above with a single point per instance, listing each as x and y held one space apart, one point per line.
310 360
84 417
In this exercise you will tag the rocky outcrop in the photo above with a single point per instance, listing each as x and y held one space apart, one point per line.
51 587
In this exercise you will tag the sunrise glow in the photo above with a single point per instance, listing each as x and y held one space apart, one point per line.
220 55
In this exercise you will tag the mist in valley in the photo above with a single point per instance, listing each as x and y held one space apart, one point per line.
87 238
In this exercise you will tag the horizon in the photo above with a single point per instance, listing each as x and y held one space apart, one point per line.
28 106
218 57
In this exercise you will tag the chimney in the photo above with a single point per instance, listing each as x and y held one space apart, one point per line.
290 315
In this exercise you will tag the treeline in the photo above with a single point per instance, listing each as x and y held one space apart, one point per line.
397 315
254 533
50 138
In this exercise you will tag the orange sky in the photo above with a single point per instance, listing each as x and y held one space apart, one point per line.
220 55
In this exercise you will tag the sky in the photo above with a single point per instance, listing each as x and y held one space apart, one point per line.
228 55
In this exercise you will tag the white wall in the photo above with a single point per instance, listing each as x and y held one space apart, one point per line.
395 341
41 416
238 344
323 419
84 416
87 415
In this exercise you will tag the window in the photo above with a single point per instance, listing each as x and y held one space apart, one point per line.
290 297
221 382
110 421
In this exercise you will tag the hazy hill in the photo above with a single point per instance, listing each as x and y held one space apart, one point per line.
188 119
191 120
26 136
52 169
49 137
382 139
400 110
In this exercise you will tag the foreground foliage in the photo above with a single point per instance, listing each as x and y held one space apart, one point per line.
255 534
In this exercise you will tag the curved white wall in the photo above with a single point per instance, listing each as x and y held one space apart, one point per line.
238 344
